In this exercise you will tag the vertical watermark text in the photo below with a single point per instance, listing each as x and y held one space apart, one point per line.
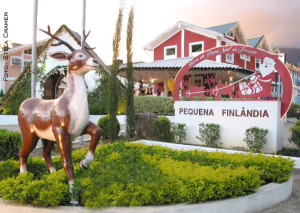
5 46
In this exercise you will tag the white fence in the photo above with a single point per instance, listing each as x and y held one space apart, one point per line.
13 119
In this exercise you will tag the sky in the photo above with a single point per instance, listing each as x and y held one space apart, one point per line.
278 20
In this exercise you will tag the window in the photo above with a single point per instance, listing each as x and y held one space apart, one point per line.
15 61
257 63
230 35
170 52
230 58
196 48
26 63
28 52
245 57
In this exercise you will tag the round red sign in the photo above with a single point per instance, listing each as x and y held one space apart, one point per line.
261 81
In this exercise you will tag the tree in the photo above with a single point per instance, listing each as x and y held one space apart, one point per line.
113 84
131 125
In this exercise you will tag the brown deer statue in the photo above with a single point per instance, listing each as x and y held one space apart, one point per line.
61 119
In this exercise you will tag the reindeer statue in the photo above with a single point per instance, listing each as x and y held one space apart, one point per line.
61 119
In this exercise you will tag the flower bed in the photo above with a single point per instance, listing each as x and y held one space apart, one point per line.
125 174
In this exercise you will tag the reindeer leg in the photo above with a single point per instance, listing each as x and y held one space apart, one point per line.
48 145
29 143
95 131
64 142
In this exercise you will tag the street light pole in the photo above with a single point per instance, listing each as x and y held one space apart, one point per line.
83 23
33 64
82 43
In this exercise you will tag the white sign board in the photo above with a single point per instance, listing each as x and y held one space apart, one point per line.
234 117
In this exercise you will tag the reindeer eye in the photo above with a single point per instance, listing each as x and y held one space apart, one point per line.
80 56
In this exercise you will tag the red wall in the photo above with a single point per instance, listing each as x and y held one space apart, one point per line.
190 37
174 40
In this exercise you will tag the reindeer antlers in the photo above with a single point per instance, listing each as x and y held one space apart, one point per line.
65 43
58 39
83 42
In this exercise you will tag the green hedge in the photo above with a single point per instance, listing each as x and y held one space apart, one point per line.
125 174
154 104
293 109
103 123
10 144
161 128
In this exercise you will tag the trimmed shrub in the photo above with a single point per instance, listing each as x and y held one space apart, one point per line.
179 132
209 134
161 128
286 151
255 138
51 190
295 137
103 123
10 144
293 109
154 104
126 174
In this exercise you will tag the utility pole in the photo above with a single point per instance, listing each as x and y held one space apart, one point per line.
83 22
33 64
82 44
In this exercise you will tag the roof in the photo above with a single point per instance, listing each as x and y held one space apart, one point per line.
216 32
224 28
25 47
180 62
47 45
254 42
177 27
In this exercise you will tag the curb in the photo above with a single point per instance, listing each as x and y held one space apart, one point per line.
265 197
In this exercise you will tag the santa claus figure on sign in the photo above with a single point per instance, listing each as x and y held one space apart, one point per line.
255 86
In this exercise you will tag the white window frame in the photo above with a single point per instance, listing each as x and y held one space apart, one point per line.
245 57
23 64
170 56
229 36
228 60
11 60
259 61
192 54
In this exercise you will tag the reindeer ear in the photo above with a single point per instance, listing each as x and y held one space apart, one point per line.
61 56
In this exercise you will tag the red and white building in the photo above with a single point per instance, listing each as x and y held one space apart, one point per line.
178 44
18 57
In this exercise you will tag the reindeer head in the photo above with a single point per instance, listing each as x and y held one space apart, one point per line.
80 62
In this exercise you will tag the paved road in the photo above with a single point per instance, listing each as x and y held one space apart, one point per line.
292 204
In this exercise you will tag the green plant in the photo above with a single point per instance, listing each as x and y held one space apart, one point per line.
295 136
161 128
292 110
122 105
114 85
130 118
98 97
10 144
286 151
131 174
154 104
255 138
209 134
179 131
14 98
103 123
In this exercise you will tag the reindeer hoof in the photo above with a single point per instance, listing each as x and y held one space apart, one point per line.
74 202
82 166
